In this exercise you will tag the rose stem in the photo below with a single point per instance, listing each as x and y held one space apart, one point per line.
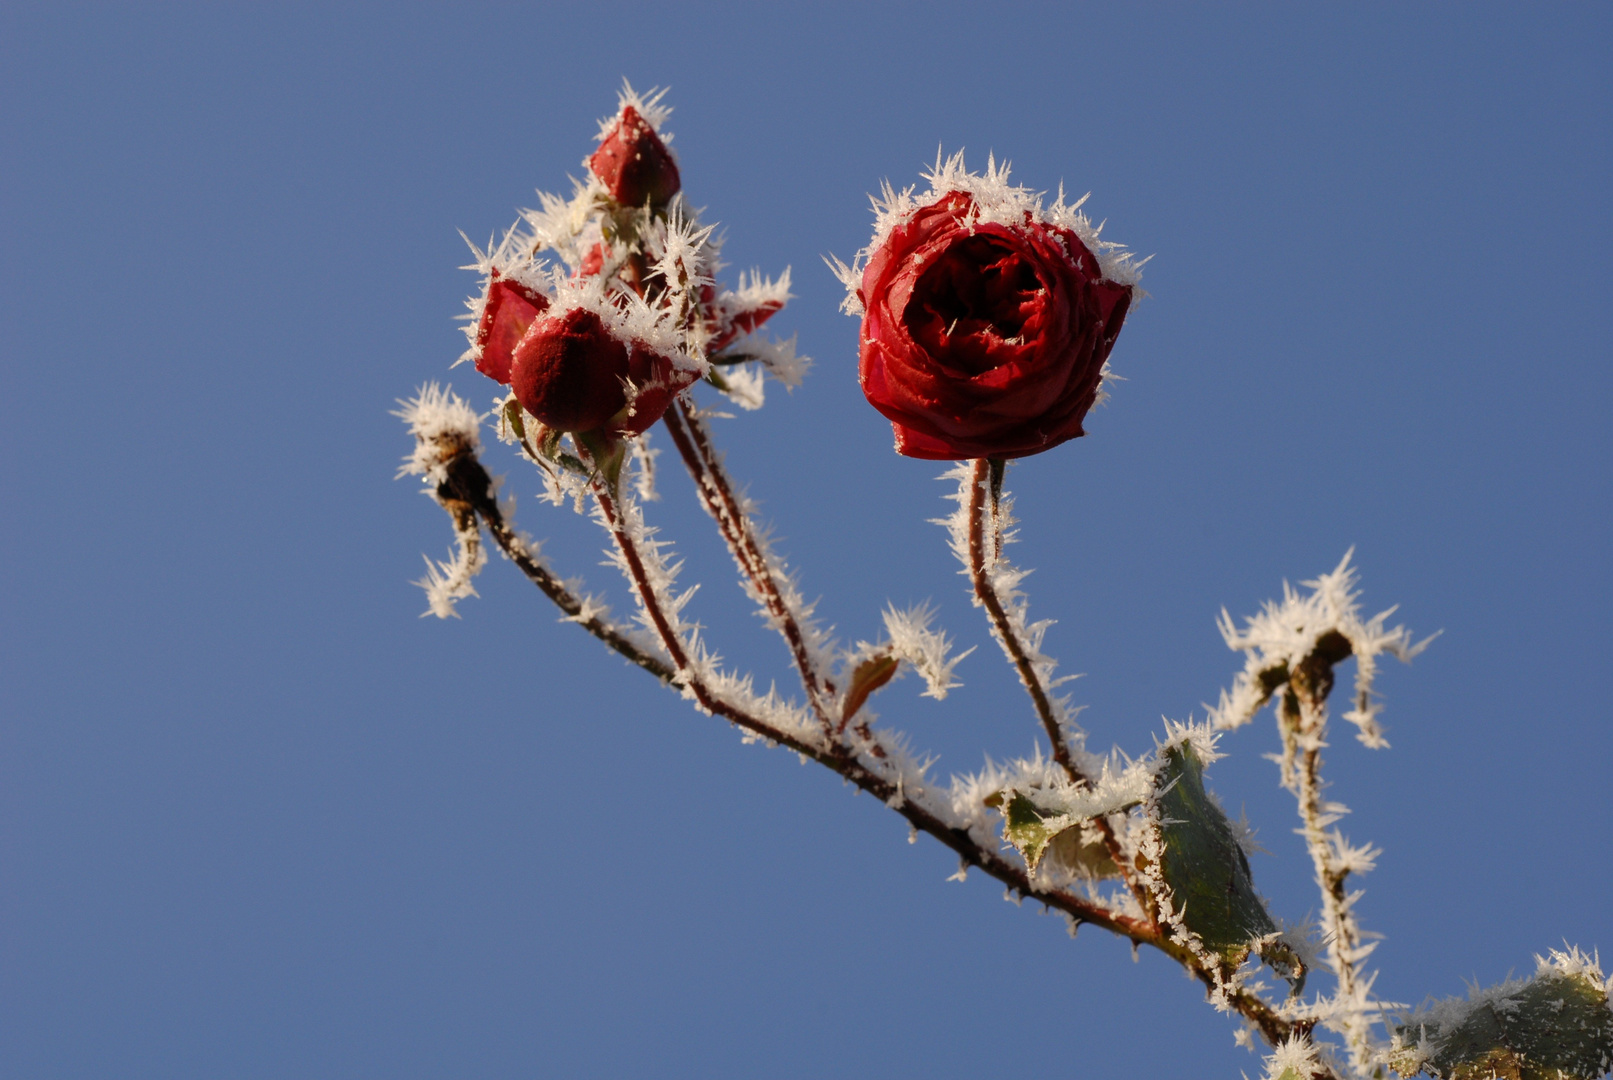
985 497
1303 726
468 485
852 770
717 495
469 489
987 478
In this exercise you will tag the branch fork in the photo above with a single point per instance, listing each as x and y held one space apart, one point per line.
831 729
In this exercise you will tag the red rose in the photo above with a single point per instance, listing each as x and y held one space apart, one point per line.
572 374
984 339
508 310
634 164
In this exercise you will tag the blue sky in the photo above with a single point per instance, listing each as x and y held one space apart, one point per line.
258 819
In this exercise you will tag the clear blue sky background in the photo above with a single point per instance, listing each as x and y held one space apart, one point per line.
258 819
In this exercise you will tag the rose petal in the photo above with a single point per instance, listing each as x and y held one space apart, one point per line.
508 312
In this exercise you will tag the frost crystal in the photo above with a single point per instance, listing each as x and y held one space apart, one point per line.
446 582
648 105
996 202
444 427
911 639
1279 638
1296 1058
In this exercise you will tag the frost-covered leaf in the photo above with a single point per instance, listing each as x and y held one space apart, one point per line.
1203 865
1036 833
1057 823
1555 1026
867 677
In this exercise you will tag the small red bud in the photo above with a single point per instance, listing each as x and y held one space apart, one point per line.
571 373
746 322
568 371
510 309
634 164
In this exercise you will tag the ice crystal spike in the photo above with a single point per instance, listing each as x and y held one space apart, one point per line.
997 201
1280 638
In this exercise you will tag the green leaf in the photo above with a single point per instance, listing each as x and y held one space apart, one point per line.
1557 1026
1205 868
1029 829
1037 833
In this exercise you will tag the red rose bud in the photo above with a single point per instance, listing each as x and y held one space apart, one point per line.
510 309
593 262
981 339
634 164
573 374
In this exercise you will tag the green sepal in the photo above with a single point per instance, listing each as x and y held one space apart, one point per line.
515 416
608 454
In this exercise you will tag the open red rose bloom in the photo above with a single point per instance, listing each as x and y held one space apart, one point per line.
982 339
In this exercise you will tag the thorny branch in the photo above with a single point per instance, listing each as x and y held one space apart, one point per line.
467 493
1303 721
985 545
727 507
865 777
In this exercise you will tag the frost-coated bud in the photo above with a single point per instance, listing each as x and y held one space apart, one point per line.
573 374
508 312
634 164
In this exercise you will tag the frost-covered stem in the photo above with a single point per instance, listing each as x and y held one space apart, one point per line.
466 492
640 579
725 506
985 511
985 491
886 790
1142 931
1303 710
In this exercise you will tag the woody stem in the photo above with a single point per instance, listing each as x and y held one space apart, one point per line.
985 549
727 508
467 490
